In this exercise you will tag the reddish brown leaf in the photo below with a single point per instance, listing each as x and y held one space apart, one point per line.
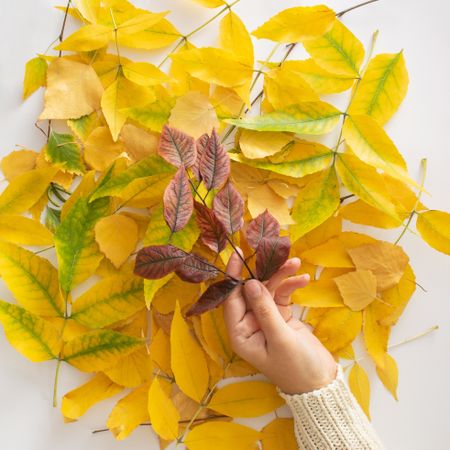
213 233
263 226
213 296
271 254
200 145
177 147
229 208
196 269
178 201
214 163
156 261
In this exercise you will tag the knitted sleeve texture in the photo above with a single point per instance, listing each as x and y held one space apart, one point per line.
330 418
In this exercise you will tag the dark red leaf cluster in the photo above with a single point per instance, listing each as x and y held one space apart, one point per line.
196 269
177 147
157 261
271 254
263 226
213 233
228 206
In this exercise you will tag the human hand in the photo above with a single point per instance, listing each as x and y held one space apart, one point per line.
263 331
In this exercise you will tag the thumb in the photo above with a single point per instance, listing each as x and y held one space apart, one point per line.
264 309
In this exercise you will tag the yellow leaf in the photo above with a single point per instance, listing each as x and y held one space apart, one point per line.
137 24
246 399
193 114
32 280
117 247
18 162
297 24
376 336
234 37
164 416
160 351
87 38
388 374
382 88
25 190
138 143
365 182
33 337
83 189
318 294
89 9
144 74
279 434
210 3
77 84
76 402
98 350
214 65
222 436
322 81
360 387
370 143
315 203
259 144
338 51
24 231
358 288
35 75
386 261
364 214
110 300
187 359
434 227
338 327
329 254
129 413
175 290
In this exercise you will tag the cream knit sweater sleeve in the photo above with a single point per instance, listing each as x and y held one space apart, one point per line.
330 418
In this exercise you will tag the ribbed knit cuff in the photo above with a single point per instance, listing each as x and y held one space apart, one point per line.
330 418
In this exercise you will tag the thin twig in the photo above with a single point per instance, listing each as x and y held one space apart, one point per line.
345 11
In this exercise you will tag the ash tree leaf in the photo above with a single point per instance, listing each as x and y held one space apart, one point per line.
434 227
178 201
24 230
303 118
215 163
99 349
157 261
382 88
87 38
63 151
215 295
213 233
297 24
279 434
271 254
320 293
210 3
228 206
196 269
200 145
262 226
35 75
33 337
177 147
358 288
360 387
144 73
32 280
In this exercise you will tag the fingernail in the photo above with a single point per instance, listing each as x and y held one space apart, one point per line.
306 276
252 289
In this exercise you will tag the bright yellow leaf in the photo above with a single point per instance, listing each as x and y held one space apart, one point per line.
360 387
259 144
210 3
23 230
18 162
297 24
234 37
434 227
187 359
35 75
279 434
143 73
329 254
76 402
388 374
87 38
358 289
164 416
160 351
318 294
364 214
89 9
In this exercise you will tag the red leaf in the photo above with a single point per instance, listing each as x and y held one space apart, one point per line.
213 296
156 261
178 201
229 208
213 233
200 145
214 163
177 147
265 225
196 269
271 254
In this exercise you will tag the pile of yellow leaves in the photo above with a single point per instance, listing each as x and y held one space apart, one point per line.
93 195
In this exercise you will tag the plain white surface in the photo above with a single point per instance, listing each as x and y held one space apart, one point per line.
420 420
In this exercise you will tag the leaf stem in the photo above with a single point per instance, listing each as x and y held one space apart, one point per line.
345 11
63 27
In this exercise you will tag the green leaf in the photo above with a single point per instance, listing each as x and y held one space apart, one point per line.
99 349
76 249
152 116
33 337
315 203
304 118
64 152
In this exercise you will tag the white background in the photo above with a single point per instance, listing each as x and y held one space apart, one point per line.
420 420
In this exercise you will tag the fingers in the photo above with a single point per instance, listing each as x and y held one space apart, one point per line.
234 306
288 286
289 268
264 308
